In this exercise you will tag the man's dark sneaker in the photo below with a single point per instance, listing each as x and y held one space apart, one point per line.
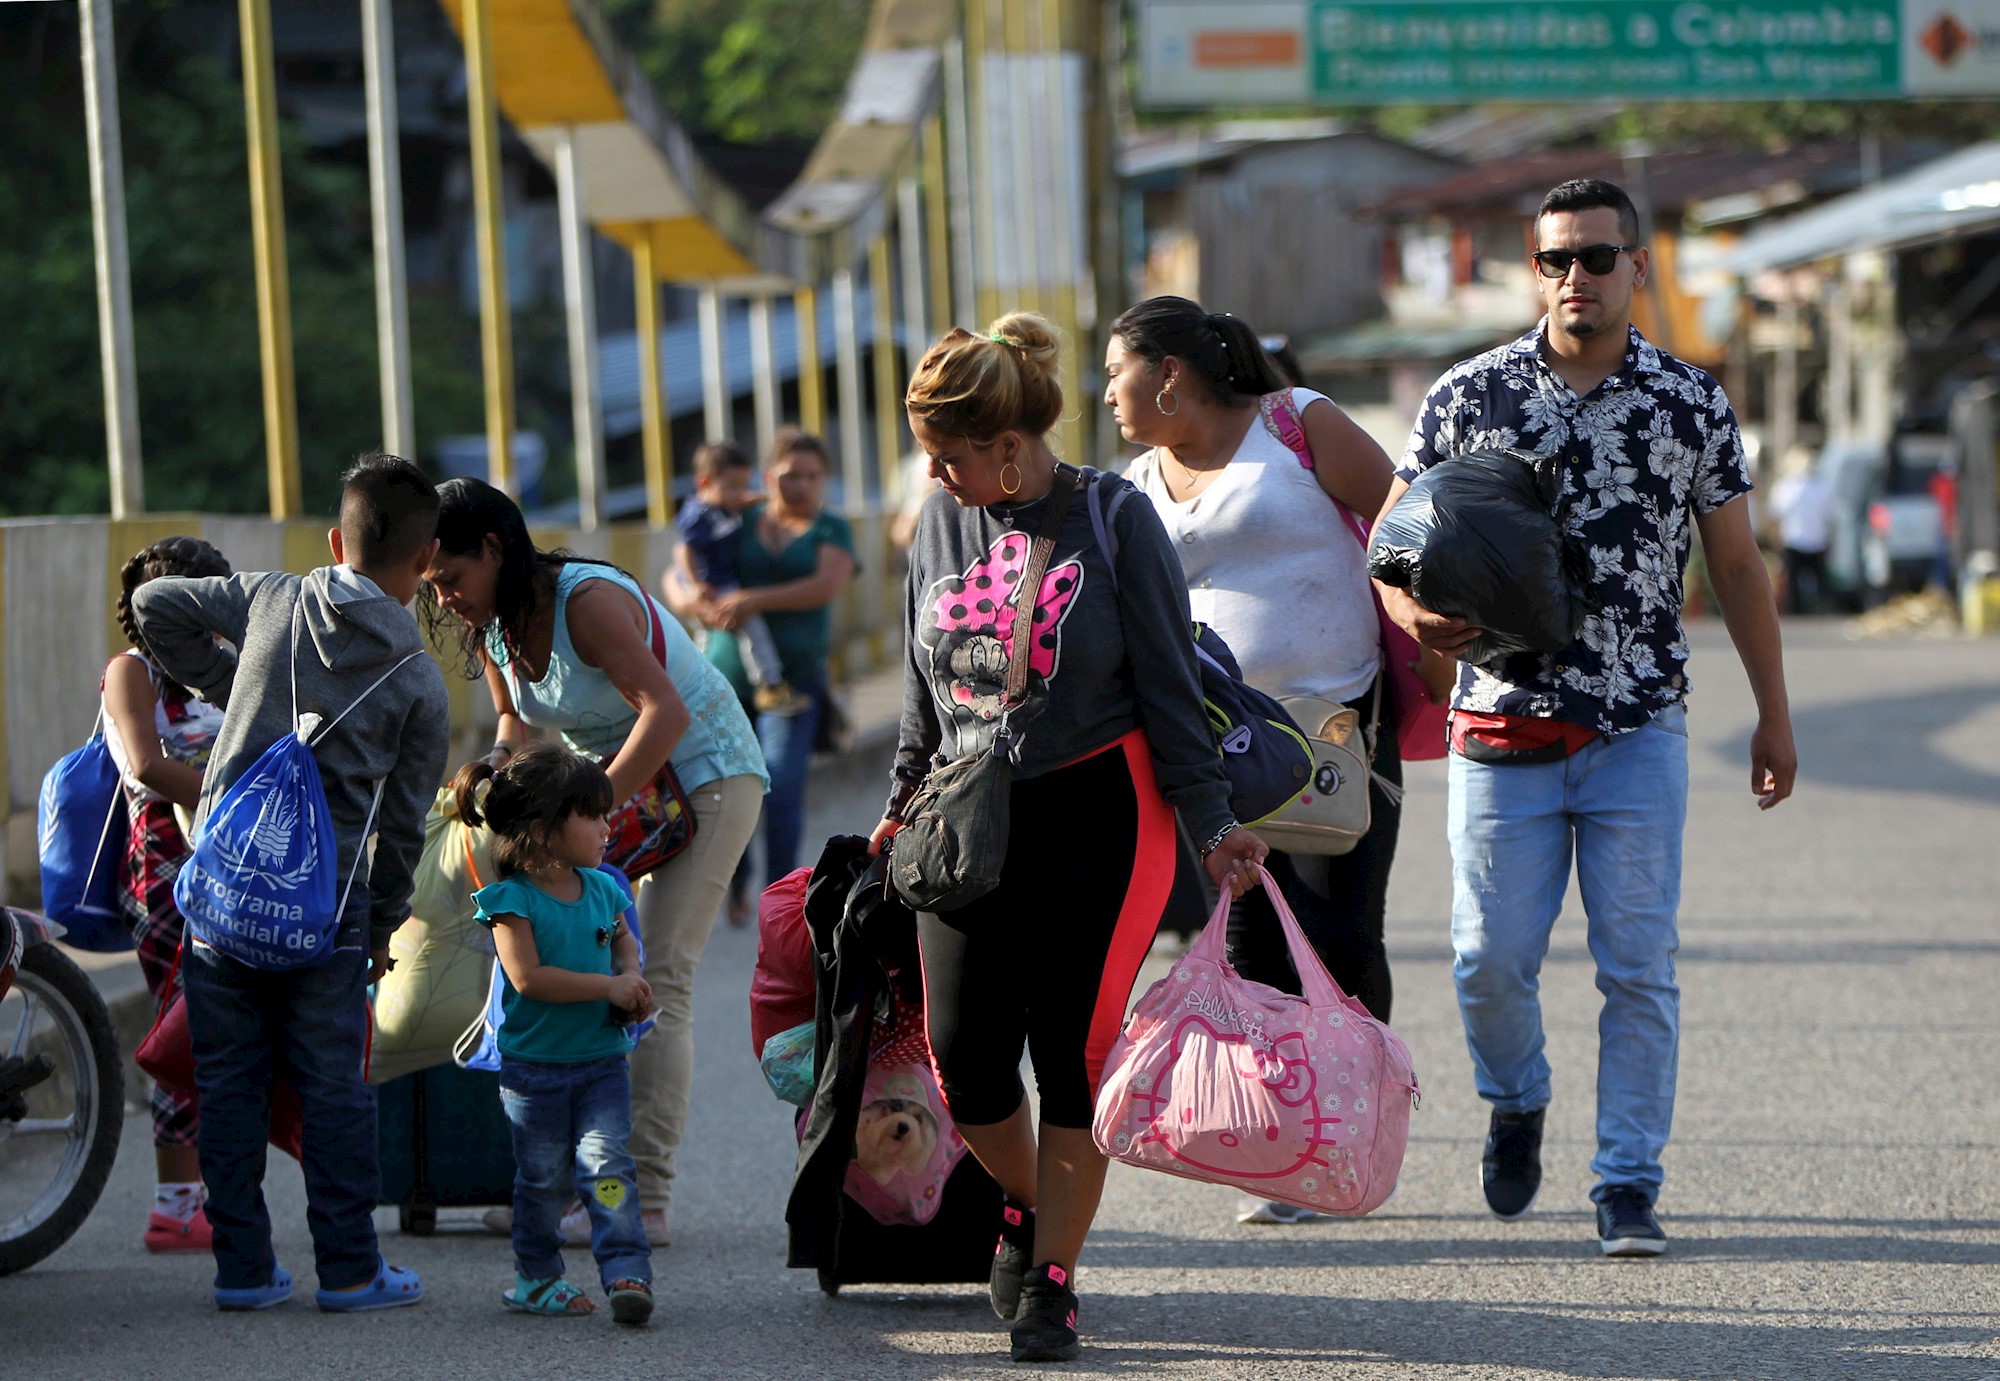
1045 1325
1512 1166
1011 1257
1625 1223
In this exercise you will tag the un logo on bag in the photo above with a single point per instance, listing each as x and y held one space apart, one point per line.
261 854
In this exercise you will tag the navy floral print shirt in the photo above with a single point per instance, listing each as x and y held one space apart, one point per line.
1644 452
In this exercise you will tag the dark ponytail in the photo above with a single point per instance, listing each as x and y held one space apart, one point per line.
465 790
170 556
1219 349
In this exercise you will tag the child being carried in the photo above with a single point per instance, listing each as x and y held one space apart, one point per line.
711 524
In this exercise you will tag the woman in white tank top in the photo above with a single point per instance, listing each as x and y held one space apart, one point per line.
1275 568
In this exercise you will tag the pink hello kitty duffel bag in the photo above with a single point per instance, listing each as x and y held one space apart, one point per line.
1301 1099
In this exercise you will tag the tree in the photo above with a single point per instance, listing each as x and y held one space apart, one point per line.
746 71
193 292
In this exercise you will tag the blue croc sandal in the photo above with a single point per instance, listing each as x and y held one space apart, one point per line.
256 1296
392 1288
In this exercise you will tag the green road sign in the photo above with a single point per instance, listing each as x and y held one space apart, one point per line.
1570 49
1437 52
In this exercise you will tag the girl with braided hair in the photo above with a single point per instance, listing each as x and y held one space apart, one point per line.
159 734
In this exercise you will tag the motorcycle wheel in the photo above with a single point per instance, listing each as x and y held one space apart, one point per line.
54 1162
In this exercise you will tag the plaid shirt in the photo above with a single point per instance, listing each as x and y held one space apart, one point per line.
1644 452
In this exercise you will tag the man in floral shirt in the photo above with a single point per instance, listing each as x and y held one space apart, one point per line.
1587 749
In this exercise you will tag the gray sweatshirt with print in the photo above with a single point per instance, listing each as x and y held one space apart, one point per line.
1110 655
340 633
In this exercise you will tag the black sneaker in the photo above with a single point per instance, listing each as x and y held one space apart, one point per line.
1511 1169
1045 1325
1625 1223
1011 1257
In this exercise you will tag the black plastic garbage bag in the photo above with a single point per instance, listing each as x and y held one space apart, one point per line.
1474 538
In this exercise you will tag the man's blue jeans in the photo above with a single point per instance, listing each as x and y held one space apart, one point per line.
310 1025
572 1125
1621 803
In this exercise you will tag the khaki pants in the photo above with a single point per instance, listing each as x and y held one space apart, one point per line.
677 906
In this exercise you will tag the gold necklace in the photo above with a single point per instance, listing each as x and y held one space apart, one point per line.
1193 475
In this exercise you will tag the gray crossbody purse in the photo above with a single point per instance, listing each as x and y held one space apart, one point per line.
953 842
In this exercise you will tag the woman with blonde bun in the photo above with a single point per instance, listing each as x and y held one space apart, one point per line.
1109 742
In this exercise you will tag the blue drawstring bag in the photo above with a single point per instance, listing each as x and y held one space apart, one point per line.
77 820
258 887
479 1046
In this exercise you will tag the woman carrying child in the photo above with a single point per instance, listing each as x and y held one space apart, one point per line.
573 988
159 734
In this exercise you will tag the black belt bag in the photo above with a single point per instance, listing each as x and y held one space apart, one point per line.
953 842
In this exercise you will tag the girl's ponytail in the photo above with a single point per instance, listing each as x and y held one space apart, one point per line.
465 790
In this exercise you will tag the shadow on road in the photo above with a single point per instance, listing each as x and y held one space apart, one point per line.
1895 753
1330 1334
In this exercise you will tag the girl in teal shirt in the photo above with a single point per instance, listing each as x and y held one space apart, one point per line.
573 987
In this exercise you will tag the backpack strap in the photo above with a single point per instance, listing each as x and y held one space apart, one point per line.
1104 516
361 849
1281 417
374 686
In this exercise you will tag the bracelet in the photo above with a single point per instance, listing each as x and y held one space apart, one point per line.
506 748
1215 840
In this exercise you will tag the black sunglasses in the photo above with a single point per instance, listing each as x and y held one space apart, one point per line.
1597 260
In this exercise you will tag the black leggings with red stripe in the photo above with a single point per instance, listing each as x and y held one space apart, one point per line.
1047 959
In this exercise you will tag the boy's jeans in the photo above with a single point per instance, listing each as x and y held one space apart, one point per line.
1622 801
571 1125
309 1024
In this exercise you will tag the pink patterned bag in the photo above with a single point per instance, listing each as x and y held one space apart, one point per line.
1302 1099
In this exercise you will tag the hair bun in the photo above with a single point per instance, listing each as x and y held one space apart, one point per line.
978 387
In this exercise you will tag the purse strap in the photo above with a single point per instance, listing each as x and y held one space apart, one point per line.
1027 595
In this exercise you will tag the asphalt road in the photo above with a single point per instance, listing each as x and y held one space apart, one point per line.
1833 1188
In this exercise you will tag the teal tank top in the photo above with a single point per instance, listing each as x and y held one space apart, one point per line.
581 705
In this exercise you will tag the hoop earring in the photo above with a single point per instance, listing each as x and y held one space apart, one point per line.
1161 407
1010 490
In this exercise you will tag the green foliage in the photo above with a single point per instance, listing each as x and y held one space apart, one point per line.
747 71
193 293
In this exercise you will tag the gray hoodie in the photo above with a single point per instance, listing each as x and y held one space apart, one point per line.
348 634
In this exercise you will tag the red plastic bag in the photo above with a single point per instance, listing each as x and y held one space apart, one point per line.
781 989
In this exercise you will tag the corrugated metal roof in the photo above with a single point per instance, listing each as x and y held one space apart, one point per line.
1954 195
680 357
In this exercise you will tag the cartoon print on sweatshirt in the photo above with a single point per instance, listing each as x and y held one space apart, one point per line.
966 628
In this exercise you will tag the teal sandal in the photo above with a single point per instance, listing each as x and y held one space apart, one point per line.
552 1297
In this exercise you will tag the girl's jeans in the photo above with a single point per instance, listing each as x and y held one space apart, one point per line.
1620 803
571 1123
